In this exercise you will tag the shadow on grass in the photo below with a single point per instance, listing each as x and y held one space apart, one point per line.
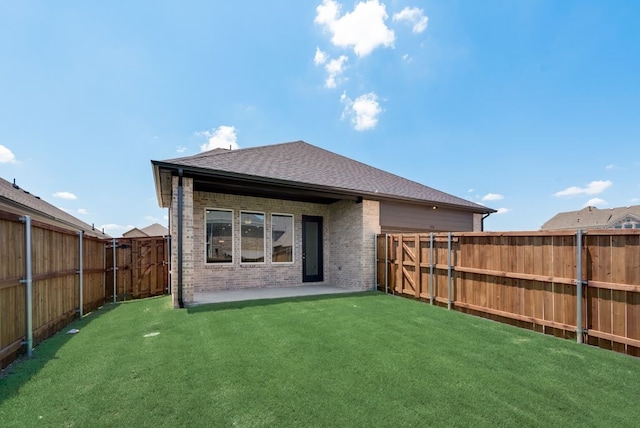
16 374
222 306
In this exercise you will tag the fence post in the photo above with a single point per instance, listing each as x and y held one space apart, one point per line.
167 256
375 261
81 274
115 270
431 268
449 271
386 263
579 330
28 281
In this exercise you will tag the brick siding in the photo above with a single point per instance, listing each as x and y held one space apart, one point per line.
348 242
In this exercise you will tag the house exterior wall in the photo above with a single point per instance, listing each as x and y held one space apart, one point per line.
477 222
211 277
398 217
353 229
348 243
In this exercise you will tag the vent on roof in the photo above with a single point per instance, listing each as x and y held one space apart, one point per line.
15 186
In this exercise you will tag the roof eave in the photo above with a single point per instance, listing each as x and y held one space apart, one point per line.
158 165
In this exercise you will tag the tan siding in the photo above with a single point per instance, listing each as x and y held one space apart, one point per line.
395 217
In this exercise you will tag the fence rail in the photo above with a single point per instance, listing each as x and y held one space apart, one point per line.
538 280
65 283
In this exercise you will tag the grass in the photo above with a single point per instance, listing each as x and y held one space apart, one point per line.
350 360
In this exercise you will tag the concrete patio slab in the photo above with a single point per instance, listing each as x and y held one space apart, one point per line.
201 298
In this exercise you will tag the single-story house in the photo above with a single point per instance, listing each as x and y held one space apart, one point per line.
594 218
154 229
20 202
290 214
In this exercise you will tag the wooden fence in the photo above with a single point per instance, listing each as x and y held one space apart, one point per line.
529 279
55 271
141 268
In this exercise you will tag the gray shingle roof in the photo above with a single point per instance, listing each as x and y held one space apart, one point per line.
590 218
22 202
300 162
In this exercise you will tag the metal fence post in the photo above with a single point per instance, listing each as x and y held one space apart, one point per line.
431 268
386 263
375 262
579 330
167 256
28 281
449 271
115 270
81 274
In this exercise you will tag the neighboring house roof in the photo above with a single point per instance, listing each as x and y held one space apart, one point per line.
134 233
297 170
20 202
152 230
592 218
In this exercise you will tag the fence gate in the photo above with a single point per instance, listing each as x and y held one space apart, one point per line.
141 268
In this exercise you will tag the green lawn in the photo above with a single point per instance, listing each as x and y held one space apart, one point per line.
360 360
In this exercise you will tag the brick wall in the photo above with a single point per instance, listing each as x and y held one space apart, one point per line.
353 229
348 230
187 241
211 277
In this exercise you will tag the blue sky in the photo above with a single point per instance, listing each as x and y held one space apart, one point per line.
528 107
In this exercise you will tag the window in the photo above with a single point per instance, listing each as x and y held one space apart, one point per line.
281 238
219 238
252 237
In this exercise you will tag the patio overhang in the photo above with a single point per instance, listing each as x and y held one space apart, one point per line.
216 181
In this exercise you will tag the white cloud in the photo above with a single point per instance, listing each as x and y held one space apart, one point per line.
6 155
83 211
415 16
65 195
181 149
320 57
503 210
334 68
363 111
363 29
471 190
110 228
406 58
610 167
151 218
223 137
634 200
492 197
595 202
592 188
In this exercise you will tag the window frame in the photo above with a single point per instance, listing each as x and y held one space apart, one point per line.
264 236
293 240
233 258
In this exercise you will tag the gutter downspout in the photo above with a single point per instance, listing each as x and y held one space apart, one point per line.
482 221
180 209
